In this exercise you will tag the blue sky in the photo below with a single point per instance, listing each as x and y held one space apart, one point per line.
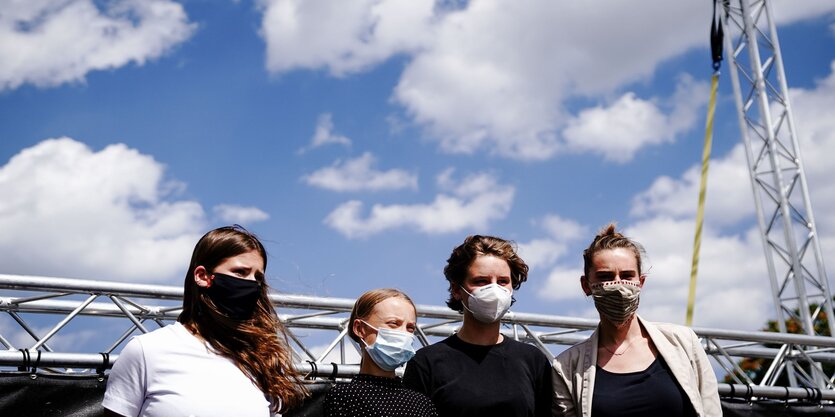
363 140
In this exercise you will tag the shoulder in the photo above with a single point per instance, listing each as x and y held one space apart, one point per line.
439 349
672 332
573 358
524 349
670 328
575 353
163 334
417 399
163 339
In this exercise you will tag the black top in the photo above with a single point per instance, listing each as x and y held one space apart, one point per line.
510 379
651 392
376 396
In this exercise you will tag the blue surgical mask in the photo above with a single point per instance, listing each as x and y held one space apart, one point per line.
392 348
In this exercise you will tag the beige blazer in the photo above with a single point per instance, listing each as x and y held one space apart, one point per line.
574 371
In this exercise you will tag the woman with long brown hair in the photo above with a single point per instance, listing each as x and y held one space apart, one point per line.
224 356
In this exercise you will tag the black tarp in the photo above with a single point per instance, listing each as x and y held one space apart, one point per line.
49 395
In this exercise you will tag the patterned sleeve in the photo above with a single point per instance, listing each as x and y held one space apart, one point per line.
331 404
126 384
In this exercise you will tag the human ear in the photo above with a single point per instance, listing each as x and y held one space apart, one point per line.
202 277
584 283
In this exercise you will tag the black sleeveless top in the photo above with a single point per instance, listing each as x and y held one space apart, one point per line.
651 392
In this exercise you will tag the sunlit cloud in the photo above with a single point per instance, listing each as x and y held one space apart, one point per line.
51 42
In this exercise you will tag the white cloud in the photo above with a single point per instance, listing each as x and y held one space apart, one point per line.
733 289
629 124
230 213
495 75
358 175
729 194
324 134
50 42
66 210
816 134
727 201
340 36
544 252
731 267
471 202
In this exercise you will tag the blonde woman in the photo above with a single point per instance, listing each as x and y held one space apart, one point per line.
382 323
629 366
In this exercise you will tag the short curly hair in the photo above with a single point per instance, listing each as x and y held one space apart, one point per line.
474 246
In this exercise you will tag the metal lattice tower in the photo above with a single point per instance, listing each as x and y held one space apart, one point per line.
781 195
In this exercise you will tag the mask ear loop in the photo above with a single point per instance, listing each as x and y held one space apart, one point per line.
469 294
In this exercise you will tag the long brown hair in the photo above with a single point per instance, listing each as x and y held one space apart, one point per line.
253 345
464 254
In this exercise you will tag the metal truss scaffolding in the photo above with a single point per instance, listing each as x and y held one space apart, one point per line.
784 212
110 312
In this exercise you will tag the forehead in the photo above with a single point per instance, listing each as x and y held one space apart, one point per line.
251 259
488 265
394 307
617 258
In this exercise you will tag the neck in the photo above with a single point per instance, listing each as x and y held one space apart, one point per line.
475 332
369 367
612 335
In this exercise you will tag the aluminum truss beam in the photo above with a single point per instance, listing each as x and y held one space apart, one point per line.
137 308
781 195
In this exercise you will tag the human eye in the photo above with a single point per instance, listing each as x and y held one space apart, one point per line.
605 276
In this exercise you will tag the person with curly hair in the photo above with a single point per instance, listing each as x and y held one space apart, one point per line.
478 371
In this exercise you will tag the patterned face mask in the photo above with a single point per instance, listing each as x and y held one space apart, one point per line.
617 301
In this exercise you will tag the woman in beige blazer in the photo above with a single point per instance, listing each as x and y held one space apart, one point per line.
629 366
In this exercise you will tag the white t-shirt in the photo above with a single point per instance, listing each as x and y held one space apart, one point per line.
170 372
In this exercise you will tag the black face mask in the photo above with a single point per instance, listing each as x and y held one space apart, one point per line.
236 298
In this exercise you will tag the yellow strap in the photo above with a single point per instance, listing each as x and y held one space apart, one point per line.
700 212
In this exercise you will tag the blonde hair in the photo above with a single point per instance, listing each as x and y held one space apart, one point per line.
365 304
609 238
